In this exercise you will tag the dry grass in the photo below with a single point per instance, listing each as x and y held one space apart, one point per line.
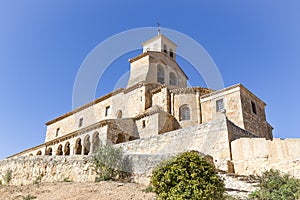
77 191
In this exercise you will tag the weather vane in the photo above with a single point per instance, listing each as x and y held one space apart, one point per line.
158 28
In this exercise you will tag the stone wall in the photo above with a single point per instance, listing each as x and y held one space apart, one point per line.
28 170
252 156
210 138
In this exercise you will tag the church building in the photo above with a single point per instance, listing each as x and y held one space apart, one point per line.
156 101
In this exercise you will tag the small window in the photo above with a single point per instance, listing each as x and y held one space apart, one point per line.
107 111
80 122
143 124
253 105
171 53
219 105
172 79
160 74
184 113
165 49
57 132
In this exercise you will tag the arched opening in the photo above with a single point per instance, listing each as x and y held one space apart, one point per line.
171 53
160 74
165 49
48 152
59 151
86 145
119 114
184 113
67 149
31 154
39 153
120 138
95 142
172 79
131 138
78 147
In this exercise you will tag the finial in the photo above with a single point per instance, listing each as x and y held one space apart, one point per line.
158 28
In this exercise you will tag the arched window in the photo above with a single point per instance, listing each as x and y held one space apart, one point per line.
59 151
78 147
95 142
171 53
119 114
86 145
67 149
120 138
172 79
49 152
184 113
165 49
39 153
160 74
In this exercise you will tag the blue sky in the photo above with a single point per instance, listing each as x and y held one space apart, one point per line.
43 43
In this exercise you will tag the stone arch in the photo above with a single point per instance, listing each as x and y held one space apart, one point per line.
86 145
39 153
171 53
48 152
172 78
119 114
95 142
184 113
131 138
165 49
59 151
78 147
120 138
67 149
160 74
31 154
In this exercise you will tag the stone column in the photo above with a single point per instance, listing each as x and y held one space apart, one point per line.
199 118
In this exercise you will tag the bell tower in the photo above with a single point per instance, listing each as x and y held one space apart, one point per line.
157 64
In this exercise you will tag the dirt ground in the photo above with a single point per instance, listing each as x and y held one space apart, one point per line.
76 191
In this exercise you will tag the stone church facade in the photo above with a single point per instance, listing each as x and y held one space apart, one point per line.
158 114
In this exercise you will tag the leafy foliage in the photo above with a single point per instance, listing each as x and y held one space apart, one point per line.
109 163
29 197
276 186
7 176
187 176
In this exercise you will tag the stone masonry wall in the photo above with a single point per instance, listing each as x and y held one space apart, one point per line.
27 170
252 156
210 138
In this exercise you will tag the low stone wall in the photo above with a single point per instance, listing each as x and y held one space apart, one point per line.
27 170
210 138
252 156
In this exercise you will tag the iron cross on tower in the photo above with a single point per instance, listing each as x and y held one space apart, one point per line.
158 28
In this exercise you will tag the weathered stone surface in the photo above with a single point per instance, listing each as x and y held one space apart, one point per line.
252 156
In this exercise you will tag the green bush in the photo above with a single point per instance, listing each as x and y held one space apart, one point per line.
276 186
109 163
29 197
187 176
7 176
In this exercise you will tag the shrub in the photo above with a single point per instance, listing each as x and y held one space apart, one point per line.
187 176
7 176
29 197
37 180
276 186
109 162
